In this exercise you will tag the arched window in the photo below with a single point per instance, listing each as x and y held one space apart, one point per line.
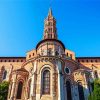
56 53
19 90
96 74
46 82
4 74
68 90
49 52
67 54
81 91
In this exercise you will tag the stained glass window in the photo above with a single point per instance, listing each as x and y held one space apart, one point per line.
46 82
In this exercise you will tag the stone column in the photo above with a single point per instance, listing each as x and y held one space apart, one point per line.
98 74
53 85
60 87
60 82
33 82
32 88
86 90
37 83
38 87
9 91
13 90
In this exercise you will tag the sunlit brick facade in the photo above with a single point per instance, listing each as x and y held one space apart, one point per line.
50 71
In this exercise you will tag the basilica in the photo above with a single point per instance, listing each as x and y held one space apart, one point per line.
50 71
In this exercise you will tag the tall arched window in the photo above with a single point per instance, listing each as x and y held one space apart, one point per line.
46 82
19 90
68 90
4 74
81 91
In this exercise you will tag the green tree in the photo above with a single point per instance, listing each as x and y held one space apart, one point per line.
4 90
95 95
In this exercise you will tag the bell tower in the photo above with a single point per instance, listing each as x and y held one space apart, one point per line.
50 45
50 27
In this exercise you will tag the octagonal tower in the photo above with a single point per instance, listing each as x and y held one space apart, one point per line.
50 45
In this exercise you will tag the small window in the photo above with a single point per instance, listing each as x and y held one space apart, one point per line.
56 53
29 56
67 54
46 31
96 74
71 56
42 52
91 60
96 61
82 60
49 30
49 52
49 24
67 71
78 60
49 36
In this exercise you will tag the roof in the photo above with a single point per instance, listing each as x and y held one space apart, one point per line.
12 57
22 69
87 57
50 40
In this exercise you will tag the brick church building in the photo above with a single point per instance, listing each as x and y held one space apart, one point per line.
50 71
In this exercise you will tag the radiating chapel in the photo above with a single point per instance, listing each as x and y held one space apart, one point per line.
50 71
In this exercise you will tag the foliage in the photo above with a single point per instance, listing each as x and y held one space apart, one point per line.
95 95
4 90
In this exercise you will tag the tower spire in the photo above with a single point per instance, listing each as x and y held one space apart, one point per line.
50 12
50 26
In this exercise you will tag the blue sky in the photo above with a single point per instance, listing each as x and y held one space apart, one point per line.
22 22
